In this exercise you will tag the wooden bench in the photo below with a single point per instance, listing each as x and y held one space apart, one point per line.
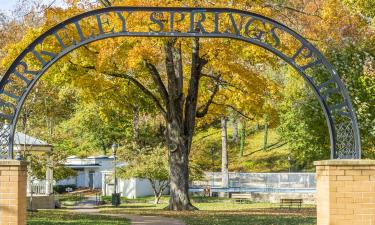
241 197
287 202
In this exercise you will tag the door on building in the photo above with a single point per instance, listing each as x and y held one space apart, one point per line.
80 180
91 180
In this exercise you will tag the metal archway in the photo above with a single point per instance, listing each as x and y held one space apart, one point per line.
252 28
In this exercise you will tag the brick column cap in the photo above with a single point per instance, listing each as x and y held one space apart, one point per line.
8 162
345 162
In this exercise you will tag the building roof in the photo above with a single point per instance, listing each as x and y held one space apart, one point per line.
92 161
24 139
98 157
76 166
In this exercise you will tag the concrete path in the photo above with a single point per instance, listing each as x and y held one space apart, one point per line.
88 203
135 219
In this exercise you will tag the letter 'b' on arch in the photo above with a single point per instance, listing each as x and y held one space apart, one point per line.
252 28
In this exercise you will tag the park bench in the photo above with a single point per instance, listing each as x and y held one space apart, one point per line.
241 197
287 202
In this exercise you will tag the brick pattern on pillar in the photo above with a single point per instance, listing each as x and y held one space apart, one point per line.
13 176
345 192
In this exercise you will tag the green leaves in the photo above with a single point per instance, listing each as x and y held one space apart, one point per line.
151 164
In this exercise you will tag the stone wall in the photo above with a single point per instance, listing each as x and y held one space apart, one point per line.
41 202
307 198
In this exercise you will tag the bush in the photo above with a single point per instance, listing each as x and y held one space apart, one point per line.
62 188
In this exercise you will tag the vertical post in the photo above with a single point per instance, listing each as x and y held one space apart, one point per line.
242 137
213 166
13 176
224 154
115 176
49 176
265 136
115 195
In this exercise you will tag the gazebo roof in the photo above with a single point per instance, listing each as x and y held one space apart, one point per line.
24 139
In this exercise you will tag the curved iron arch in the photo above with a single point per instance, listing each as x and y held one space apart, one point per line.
257 29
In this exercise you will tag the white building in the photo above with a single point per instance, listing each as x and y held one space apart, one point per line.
96 172
40 191
26 145
89 171
130 188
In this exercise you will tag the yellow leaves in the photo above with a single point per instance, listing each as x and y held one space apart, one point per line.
12 50
145 50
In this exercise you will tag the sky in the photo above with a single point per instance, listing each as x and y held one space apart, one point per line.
6 6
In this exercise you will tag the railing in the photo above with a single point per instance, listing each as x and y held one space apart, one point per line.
269 182
37 188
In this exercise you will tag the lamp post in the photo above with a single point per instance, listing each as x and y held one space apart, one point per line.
289 159
115 196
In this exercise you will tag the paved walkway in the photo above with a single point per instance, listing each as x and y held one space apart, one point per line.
135 219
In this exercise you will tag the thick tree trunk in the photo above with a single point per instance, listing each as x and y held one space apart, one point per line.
178 168
179 182
181 122
224 154
180 112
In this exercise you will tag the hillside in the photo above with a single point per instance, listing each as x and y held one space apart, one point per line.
254 159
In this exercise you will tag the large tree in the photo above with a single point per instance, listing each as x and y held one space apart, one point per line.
179 109
187 79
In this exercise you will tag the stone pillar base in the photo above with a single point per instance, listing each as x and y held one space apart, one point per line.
345 192
13 176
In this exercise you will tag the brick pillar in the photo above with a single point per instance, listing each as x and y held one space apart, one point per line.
13 176
345 192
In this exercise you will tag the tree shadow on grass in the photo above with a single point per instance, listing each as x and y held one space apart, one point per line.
249 219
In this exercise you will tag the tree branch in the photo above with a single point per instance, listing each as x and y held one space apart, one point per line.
158 81
197 64
170 68
140 86
106 3
222 82
177 58
291 9
235 109
135 82
203 110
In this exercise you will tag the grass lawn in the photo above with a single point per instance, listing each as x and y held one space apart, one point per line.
212 211
225 213
249 219
61 217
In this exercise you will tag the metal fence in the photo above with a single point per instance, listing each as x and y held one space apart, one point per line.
265 182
